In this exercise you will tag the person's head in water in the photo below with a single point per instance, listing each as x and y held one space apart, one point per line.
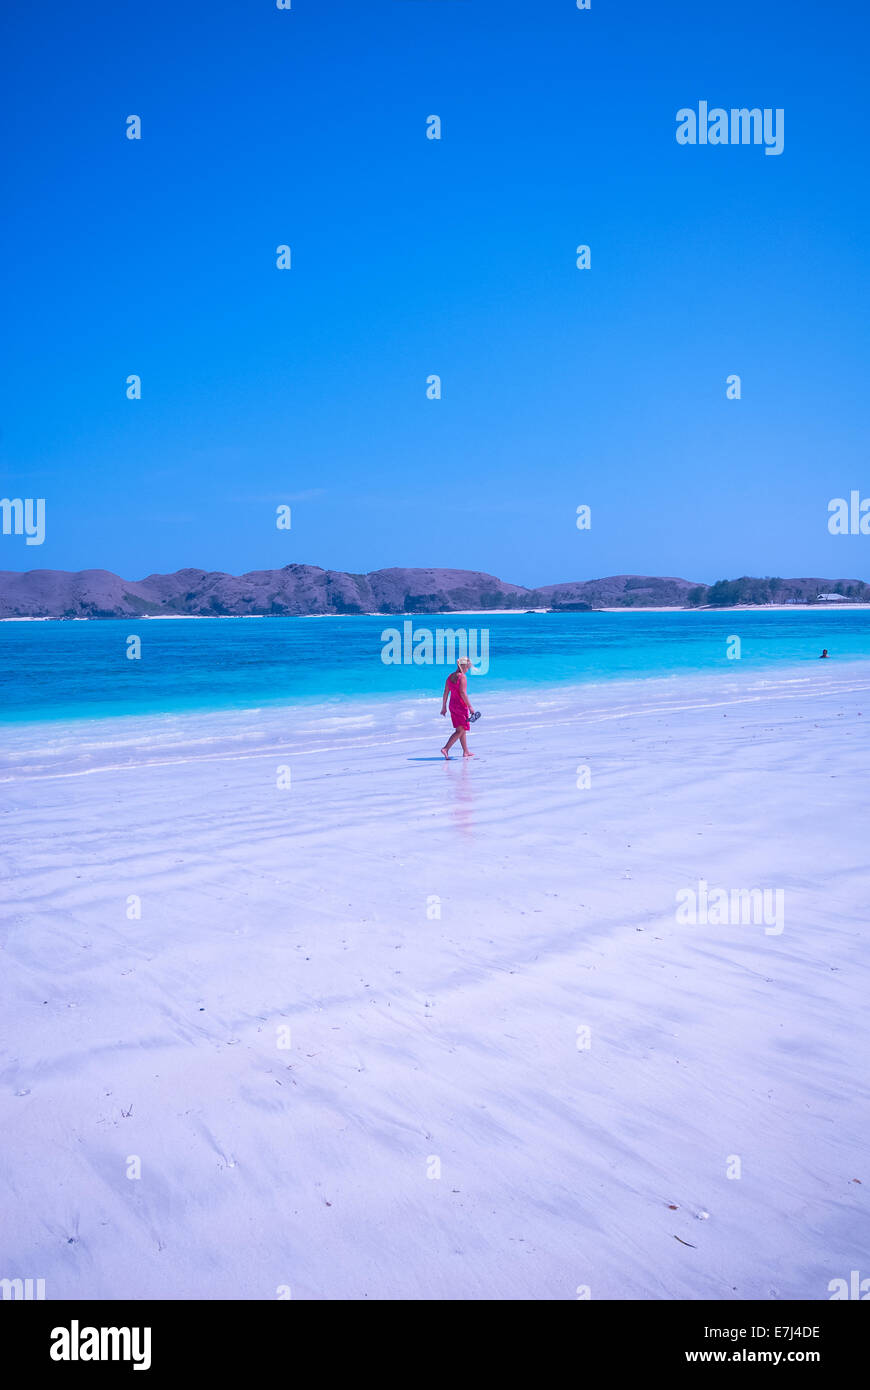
824 653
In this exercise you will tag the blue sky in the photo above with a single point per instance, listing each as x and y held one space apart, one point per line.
410 257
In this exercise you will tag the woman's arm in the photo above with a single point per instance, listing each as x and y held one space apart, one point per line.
463 690
444 696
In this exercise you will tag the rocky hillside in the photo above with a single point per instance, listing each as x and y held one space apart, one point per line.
293 590
304 589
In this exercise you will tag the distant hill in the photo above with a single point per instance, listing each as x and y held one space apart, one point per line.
296 590
727 592
620 590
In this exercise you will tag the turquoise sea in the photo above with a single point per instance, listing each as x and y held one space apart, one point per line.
71 670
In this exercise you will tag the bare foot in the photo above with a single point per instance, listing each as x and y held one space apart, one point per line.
468 755
446 754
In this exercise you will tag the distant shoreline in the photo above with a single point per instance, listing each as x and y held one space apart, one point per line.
307 591
456 613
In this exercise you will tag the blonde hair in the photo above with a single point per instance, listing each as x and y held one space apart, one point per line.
464 663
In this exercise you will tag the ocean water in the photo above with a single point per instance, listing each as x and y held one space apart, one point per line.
80 670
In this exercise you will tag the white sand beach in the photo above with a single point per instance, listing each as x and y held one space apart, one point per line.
435 936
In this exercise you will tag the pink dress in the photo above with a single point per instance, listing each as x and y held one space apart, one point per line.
458 707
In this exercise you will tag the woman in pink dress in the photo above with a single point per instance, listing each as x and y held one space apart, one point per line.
456 688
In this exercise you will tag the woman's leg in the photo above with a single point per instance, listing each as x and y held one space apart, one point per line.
450 742
463 739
